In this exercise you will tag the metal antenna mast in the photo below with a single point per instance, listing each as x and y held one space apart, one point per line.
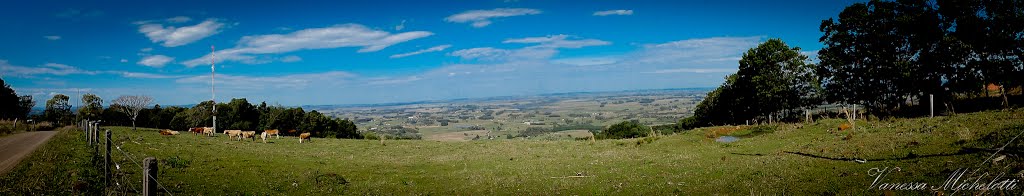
213 90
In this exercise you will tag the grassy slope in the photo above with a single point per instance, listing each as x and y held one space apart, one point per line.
688 163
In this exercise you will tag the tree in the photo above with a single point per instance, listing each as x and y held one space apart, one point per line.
982 44
11 105
25 104
238 114
625 129
773 80
131 105
58 109
92 107
880 54
774 77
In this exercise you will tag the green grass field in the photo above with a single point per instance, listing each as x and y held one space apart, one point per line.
689 163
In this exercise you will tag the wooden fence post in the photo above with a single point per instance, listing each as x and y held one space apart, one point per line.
106 162
149 176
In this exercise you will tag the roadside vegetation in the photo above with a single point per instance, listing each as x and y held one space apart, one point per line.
63 166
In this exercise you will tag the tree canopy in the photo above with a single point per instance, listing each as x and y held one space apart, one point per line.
773 79
883 53
12 105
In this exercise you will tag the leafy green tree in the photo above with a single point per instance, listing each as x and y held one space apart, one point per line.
25 104
11 105
880 53
773 79
58 109
92 107
625 129
164 118
982 44
238 114
344 128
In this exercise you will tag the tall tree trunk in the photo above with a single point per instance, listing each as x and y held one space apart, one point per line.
133 124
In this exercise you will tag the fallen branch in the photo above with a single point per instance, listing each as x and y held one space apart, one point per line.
573 177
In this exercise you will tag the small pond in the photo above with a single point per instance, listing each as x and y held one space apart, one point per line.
727 139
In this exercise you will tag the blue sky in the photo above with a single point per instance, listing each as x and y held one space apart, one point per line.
351 52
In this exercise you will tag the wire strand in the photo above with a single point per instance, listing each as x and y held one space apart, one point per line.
126 154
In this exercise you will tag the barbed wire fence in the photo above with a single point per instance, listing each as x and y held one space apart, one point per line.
117 173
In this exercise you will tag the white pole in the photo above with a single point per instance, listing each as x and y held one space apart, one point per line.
213 89
931 105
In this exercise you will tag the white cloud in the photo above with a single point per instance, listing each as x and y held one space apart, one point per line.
482 18
613 12
431 49
347 35
52 37
587 61
481 53
545 47
124 60
291 58
400 26
156 61
693 70
381 81
558 41
45 69
179 19
143 75
697 51
171 36
293 81
146 50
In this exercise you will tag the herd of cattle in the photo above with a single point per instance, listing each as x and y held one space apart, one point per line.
238 133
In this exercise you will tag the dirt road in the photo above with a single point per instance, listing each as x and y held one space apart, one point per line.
16 147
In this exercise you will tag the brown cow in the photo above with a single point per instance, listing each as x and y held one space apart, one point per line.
248 134
273 132
168 132
196 130
233 133
304 136
208 131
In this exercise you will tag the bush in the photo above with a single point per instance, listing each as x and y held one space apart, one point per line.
625 129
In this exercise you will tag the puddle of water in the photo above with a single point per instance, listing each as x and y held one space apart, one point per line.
727 139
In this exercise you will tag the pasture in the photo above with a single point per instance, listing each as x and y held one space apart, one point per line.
767 160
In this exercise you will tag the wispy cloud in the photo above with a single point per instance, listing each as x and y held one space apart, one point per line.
431 49
170 36
156 61
78 14
613 12
347 35
543 48
63 70
293 81
52 37
482 18
693 70
48 68
558 41
179 19
400 26
481 53
291 58
144 75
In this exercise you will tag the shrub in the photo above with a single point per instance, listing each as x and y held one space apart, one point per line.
625 129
